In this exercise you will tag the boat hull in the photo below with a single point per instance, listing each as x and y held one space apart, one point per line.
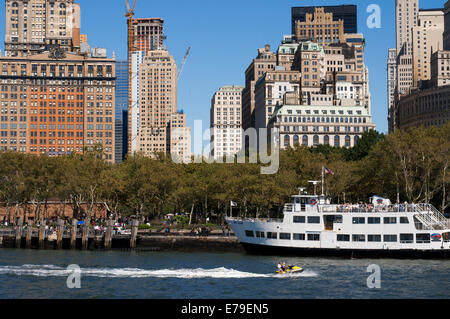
346 253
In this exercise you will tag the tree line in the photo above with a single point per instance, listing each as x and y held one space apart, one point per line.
404 166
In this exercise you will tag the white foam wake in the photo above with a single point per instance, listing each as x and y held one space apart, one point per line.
56 271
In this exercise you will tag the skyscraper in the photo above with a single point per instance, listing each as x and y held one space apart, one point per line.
427 38
391 85
121 107
407 17
225 119
144 34
55 99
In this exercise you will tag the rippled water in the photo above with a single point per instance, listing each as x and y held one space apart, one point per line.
43 274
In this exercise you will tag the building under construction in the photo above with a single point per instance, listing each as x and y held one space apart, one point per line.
155 125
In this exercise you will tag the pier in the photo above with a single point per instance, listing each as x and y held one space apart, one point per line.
82 237
64 237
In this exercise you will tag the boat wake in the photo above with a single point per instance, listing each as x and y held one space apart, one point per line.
221 273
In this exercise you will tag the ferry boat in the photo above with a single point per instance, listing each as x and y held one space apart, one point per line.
311 226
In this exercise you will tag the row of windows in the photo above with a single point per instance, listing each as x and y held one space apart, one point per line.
355 220
282 236
390 238
377 220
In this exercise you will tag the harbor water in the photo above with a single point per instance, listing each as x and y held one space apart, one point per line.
35 274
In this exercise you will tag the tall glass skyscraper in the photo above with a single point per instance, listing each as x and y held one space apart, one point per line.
121 111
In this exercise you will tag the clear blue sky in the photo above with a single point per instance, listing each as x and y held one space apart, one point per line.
225 36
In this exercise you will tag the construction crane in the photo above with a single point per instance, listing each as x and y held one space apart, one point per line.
184 62
130 11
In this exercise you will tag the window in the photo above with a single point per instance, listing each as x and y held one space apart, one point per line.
285 236
359 220
313 220
314 237
299 219
272 235
422 238
249 233
299 236
260 234
343 237
373 220
359 238
390 220
374 238
406 238
390 238
404 220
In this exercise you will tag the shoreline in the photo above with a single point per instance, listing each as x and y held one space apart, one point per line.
177 241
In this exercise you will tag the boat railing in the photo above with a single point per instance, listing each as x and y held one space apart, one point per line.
260 220
367 208
289 208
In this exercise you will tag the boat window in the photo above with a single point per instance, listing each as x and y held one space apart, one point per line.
373 220
422 238
314 237
299 236
285 236
404 220
272 235
374 238
249 233
260 234
313 220
359 220
343 237
406 238
299 219
359 238
390 220
446 237
390 238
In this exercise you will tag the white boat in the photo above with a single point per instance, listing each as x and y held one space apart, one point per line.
313 226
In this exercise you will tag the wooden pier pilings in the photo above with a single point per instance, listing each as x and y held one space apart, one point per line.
73 234
67 237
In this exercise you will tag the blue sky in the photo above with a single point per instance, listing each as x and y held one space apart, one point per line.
225 36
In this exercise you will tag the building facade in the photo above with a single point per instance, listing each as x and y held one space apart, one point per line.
347 13
157 108
144 34
121 110
57 103
323 122
320 27
391 85
427 38
422 88
226 122
407 18
31 25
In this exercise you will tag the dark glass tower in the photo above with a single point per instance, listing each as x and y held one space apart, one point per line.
348 13
121 110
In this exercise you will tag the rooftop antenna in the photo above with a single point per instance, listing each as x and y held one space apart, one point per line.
301 190
315 183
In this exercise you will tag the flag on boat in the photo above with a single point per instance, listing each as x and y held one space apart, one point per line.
233 204
328 171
